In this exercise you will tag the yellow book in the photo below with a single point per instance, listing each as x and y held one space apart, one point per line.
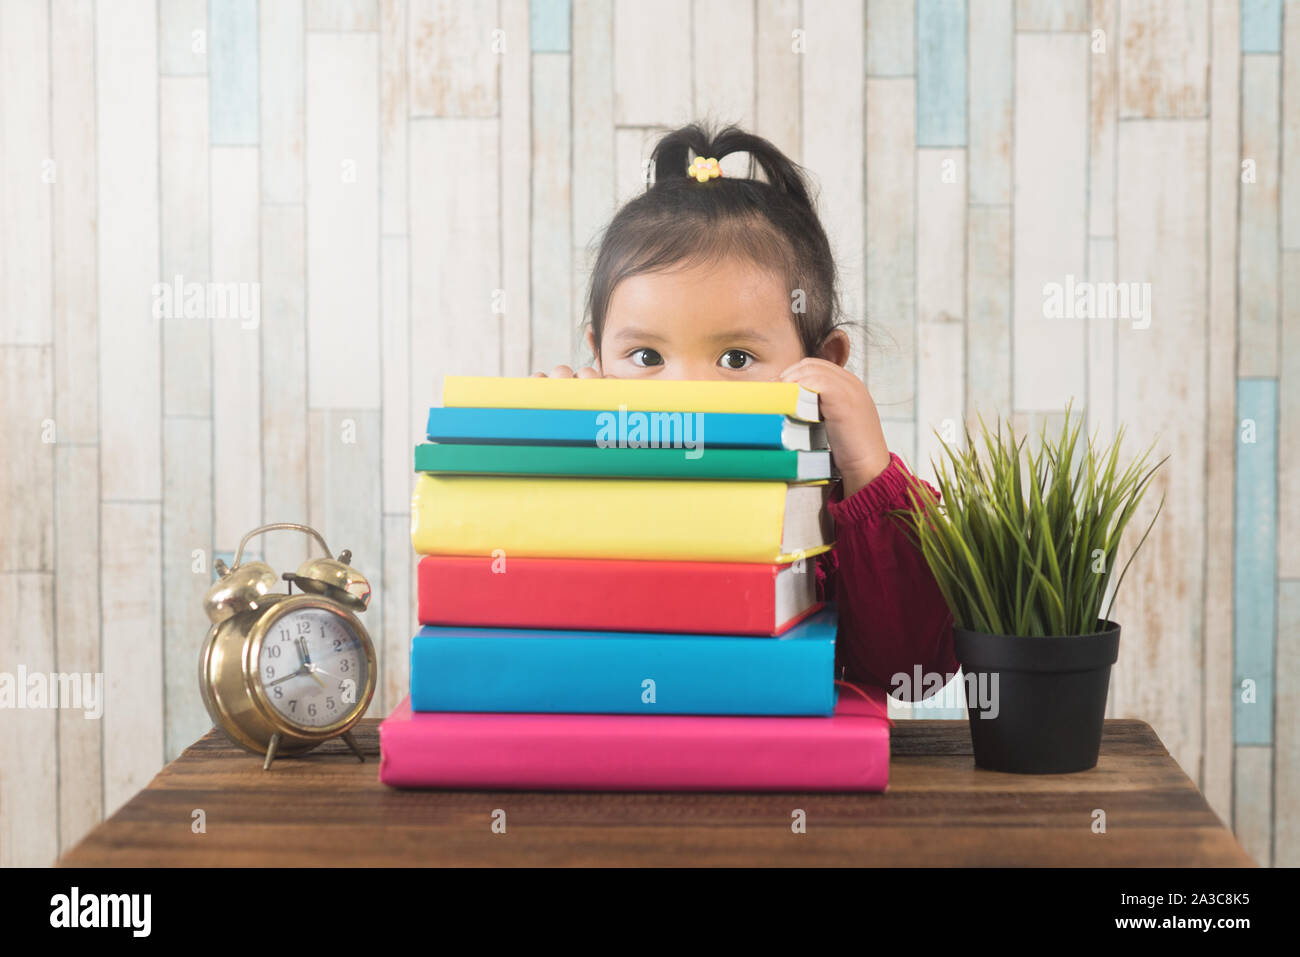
704 520
640 395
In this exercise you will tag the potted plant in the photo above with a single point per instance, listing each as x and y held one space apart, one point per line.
1023 545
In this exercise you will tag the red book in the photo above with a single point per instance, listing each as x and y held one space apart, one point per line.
724 598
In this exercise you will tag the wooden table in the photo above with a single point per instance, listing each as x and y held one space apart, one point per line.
329 809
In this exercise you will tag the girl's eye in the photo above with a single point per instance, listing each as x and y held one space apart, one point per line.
736 359
646 357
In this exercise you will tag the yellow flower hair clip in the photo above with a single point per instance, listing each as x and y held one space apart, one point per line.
704 169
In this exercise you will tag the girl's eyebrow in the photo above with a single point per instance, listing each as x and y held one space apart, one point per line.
635 332
739 335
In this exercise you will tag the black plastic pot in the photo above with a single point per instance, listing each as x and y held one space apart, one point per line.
1047 698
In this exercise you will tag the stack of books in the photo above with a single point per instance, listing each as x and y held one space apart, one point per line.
617 591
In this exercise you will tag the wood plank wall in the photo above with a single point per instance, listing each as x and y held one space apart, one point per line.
416 187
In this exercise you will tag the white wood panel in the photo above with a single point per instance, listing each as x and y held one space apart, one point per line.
186 574
1051 14
1162 238
940 236
891 37
1221 419
342 14
126 116
284 377
393 92
988 314
833 136
1051 214
1164 58
76 633
593 148
554 318
27 434
1253 818
75 224
236 349
453 218
1290 121
346 500
281 108
393 643
778 67
515 305
593 132
652 63
1286 731
453 71
186 228
631 161
132 650
29 767
724 34
183 37
1257 263
1104 117
990 83
1288 423
401 430
891 246
343 220
1101 332
940 401
25 268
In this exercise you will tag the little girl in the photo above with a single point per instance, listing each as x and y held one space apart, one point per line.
705 276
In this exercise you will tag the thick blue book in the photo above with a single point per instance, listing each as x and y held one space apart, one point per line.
600 672
623 430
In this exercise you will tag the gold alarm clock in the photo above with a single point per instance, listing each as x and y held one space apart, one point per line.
281 673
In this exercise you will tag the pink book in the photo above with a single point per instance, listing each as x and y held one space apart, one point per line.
848 751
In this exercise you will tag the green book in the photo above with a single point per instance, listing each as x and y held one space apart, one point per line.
698 463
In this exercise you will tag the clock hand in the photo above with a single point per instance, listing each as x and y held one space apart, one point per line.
292 674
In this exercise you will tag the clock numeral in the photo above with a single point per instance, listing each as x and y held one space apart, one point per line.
311 709
304 627
270 671
338 644
293 704
344 664
279 692
284 634
329 703
273 651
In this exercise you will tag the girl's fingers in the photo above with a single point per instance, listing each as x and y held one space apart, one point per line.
587 372
561 372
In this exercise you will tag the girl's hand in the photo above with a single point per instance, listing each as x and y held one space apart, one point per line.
852 422
564 372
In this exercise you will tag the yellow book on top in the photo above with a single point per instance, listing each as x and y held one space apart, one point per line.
641 395
702 520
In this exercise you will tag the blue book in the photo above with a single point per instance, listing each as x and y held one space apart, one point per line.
636 429
608 672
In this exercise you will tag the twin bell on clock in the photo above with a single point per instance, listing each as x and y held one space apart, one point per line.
280 673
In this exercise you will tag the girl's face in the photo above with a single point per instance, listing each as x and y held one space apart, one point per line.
728 319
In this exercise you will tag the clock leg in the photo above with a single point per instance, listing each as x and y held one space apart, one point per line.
270 751
347 736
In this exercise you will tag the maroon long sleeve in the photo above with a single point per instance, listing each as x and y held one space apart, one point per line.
892 614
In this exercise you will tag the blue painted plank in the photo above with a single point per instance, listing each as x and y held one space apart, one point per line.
941 73
233 72
549 25
1261 26
1255 559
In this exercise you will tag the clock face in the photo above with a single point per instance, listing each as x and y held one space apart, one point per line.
313 667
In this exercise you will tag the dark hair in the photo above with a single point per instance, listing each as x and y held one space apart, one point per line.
678 219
